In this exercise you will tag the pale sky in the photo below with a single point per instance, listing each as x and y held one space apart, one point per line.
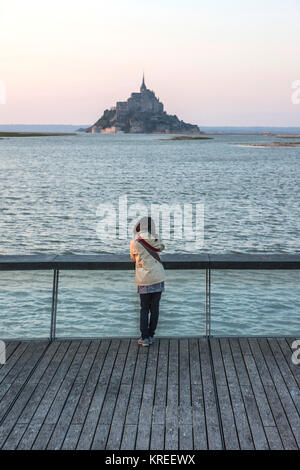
212 62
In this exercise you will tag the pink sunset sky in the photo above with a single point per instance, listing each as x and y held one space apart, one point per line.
213 63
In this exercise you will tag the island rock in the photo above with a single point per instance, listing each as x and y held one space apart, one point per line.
142 113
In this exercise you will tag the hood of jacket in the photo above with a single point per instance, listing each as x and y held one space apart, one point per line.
153 240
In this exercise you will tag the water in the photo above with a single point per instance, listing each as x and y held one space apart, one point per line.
50 189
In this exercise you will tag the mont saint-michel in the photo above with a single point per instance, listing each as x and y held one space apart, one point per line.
142 113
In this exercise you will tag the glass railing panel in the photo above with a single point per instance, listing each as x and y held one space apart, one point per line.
106 304
255 302
25 304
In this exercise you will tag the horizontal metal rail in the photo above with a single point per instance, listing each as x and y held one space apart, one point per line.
170 261
123 262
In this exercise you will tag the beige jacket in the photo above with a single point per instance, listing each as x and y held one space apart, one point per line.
147 269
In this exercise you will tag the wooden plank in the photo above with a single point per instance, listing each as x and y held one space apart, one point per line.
172 406
157 437
16 434
194 357
258 433
186 437
282 363
10 405
43 437
65 418
273 437
282 390
11 362
211 415
10 348
147 403
281 421
259 391
137 387
199 425
112 390
239 410
56 372
82 406
129 437
101 435
58 403
185 404
286 348
118 420
130 366
28 437
119 414
90 425
142 438
151 370
227 415
44 381
145 418
286 372
12 419
72 437
13 367
160 398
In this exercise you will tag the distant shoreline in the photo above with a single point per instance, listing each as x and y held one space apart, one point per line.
60 129
34 134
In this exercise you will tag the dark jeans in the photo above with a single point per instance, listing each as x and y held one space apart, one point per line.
149 302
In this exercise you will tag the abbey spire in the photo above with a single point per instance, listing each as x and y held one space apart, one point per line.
143 86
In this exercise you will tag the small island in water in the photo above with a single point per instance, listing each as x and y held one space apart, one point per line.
142 113
271 144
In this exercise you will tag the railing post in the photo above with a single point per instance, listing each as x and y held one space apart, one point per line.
54 304
207 303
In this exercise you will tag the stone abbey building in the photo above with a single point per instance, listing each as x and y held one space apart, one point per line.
141 113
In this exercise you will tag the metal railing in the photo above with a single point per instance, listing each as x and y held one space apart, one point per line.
122 262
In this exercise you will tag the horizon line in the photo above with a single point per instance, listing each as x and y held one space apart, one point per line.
203 125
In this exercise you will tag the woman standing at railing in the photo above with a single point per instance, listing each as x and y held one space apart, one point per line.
149 275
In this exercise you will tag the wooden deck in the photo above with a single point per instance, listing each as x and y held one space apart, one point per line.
178 394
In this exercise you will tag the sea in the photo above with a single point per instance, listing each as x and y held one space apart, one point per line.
53 195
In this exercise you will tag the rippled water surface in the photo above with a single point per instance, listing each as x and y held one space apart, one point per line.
50 189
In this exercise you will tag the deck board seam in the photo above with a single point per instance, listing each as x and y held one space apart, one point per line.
229 394
203 397
214 380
